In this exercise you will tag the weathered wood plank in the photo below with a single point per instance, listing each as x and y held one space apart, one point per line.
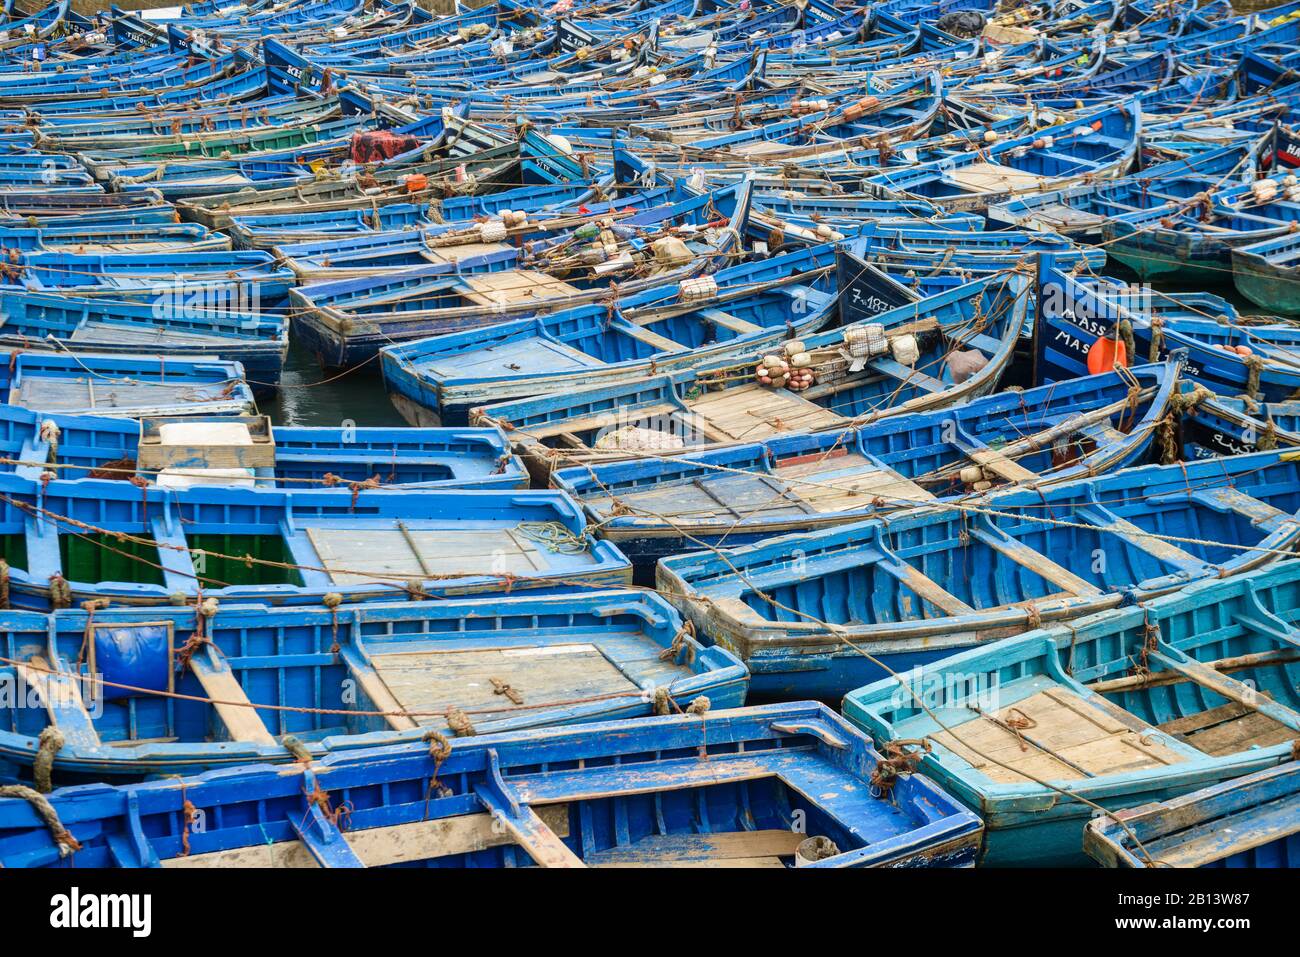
61 695
242 722
383 846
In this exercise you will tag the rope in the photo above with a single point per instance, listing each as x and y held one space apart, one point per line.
681 644
63 839
49 743
901 757
459 723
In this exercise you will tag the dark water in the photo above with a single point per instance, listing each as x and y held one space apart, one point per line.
307 398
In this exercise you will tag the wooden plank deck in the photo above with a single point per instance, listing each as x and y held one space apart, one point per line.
433 680
1067 739
355 556
383 846
995 178
812 485
724 849
52 395
752 412
515 286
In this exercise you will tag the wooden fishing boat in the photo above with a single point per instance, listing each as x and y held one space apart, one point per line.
1217 426
1081 211
117 238
857 380
1087 323
1088 148
738 310
655 507
269 230
1146 704
499 161
347 322
820 613
400 248
248 452
253 279
759 770
561 660
84 539
172 324
87 383
1252 821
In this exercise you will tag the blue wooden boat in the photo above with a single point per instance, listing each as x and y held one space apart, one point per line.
159 214
599 795
340 680
401 248
490 157
113 238
1091 147
823 612
875 376
347 322
1083 321
245 451
1146 704
1082 211
42 205
967 254
88 383
82 539
1216 426
251 279
1252 821
744 309
268 230
739 494
170 325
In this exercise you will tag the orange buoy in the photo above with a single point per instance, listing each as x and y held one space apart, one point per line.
1106 353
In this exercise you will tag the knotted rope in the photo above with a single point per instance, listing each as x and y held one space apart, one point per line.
63 838
459 723
49 743
898 760
680 644
439 751
332 600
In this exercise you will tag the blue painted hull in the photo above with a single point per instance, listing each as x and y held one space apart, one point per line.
625 802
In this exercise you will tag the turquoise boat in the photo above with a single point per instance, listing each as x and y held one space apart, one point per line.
1124 708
